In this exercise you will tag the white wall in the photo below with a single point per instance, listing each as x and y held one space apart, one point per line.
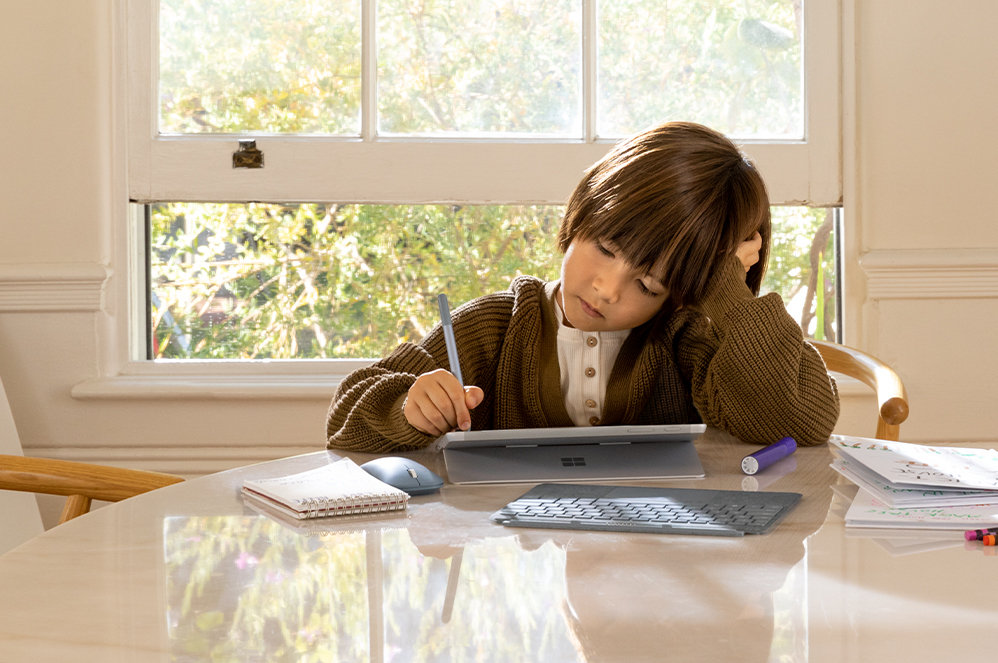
923 183
919 155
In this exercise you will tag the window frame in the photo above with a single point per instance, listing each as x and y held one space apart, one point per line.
148 168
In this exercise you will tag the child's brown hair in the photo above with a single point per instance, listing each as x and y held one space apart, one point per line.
675 200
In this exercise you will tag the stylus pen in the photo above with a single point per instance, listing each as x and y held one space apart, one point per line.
455 365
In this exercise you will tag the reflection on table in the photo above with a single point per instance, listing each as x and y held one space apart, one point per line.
248 588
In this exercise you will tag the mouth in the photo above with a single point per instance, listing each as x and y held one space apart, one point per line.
589 310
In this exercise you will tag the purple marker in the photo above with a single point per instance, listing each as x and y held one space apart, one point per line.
763 458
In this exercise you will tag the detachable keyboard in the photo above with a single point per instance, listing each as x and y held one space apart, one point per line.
647 509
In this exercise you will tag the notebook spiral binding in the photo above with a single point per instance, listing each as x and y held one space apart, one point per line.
320 507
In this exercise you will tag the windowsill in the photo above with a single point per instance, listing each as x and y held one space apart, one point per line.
223 387
250 381
220 380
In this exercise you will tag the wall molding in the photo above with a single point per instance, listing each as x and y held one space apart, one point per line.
186 461
931 273
48 287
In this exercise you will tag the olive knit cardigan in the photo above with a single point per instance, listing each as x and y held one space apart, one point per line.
735 361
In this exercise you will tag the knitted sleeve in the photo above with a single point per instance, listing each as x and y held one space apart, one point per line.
751 371
366 410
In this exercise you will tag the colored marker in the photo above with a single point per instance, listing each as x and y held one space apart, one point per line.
763 458
455 366
979 534
989 540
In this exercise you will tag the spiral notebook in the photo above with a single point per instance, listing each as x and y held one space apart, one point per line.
336 489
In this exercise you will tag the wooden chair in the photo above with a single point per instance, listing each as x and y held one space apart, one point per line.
21 517
892 399
81 483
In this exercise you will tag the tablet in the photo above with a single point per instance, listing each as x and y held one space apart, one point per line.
585 453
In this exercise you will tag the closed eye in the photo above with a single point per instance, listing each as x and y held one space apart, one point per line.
645 290
605 251
655 290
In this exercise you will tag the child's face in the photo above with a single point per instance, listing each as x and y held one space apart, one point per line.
600 291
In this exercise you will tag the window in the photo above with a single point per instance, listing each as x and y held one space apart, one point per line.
413 147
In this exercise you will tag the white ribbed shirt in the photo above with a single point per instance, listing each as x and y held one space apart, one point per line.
584 361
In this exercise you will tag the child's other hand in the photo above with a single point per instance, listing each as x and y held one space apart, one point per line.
748 251
437 403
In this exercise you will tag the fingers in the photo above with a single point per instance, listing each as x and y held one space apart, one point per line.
748 251
437 403
473 397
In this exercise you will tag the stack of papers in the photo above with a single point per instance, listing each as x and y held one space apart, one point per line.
919 486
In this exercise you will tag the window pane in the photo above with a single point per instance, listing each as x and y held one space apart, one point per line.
352 281
734 65
482 67
230 66
803 268
272 281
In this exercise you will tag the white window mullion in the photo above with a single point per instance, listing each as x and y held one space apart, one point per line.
381 171
369 70
823 101
142 81
590 33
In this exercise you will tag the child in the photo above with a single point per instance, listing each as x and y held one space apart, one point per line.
655 320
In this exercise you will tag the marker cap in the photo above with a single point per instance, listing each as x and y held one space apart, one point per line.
979 534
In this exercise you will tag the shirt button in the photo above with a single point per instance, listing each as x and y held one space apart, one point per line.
590 402
593 421
591 341
590 372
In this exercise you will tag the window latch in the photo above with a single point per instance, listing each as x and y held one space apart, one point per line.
247 156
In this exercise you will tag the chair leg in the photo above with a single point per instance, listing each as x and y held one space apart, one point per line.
76 505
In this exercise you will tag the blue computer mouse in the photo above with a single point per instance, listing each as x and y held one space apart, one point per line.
404 474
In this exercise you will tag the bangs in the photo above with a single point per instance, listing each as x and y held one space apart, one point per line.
641 243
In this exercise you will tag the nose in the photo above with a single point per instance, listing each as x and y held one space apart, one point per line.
607 287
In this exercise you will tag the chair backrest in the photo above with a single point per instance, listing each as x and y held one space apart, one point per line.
892 399
21 519
81 483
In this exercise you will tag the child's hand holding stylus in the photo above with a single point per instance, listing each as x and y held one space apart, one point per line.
438 402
